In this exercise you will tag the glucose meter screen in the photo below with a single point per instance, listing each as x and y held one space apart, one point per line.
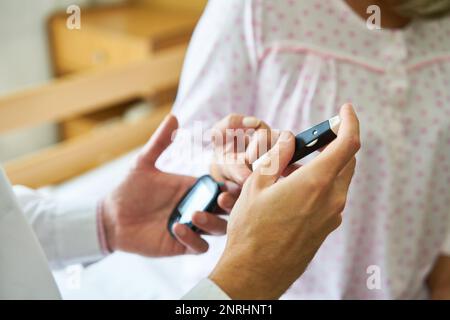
197 200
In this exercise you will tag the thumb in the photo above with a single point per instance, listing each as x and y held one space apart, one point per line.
159 141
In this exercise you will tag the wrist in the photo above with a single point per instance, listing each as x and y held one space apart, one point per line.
105 229
243 277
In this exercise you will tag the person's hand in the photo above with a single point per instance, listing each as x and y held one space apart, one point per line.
136 213
238 142
276 228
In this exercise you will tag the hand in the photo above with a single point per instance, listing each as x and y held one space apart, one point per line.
438 279
136 213
241 141
276 228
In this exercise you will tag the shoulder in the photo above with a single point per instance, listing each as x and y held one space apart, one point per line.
430 37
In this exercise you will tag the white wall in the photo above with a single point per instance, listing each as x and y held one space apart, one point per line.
24 61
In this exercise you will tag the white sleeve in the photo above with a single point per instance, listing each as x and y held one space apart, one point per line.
206 290
67 232
218 78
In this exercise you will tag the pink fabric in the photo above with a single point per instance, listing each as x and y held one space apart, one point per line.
293 63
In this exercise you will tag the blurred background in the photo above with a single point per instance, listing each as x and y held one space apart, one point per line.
38 48
77 104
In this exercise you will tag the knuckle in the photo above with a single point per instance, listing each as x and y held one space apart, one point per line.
336 221
339 205
354 143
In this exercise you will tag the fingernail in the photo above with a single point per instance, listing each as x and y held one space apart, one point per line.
250 122
227 203
348 106
202 219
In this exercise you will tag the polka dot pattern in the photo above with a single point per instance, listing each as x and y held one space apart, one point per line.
293 63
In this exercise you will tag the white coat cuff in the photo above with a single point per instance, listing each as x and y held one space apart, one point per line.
77 236
206 290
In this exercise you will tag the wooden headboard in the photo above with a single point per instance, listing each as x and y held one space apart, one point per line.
80 94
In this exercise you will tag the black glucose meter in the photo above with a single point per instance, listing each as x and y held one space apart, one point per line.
202 196
315 138
312 139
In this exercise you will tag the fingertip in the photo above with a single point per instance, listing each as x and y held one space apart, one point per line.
170 122
200 218
348 111
179 229
251 122
203 249
286 136
192 241
347 107
226 201
231 187
214 225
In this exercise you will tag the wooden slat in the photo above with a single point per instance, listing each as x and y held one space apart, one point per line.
73 157
90 91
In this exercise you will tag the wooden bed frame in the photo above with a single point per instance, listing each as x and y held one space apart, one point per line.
81 94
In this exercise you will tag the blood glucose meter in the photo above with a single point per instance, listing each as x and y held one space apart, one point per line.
202 196
311 139
315 138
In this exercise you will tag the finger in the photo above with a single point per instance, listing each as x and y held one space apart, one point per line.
237 173
230 192
230 187
210 223
346 175
192 241
341 186
237 127
159 141
237 121
227 200
270 166
261 142
339 152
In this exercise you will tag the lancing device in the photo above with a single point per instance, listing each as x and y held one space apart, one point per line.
315 138
312 139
